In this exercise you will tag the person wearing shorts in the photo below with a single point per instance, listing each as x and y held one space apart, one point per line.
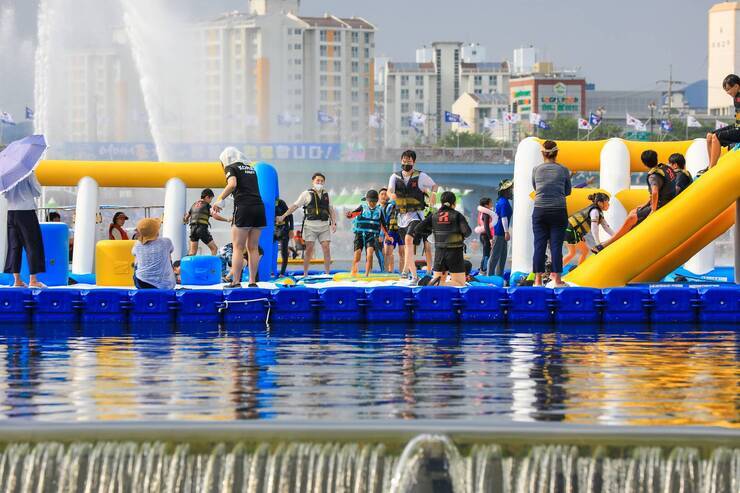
408 189
199 218
319 220
730 135
249 213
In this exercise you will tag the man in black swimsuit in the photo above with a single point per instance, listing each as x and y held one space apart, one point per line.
249 213
199 218
730 135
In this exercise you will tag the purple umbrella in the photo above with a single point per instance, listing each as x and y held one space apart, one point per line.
19 159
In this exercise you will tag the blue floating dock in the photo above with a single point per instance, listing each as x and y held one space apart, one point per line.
385 304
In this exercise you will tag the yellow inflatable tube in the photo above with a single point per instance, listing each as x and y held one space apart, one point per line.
130 174
665 230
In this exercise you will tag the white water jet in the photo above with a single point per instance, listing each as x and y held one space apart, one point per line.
42 68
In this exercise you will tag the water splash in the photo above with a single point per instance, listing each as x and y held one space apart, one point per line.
42 68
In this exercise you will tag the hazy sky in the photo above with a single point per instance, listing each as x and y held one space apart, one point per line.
624 44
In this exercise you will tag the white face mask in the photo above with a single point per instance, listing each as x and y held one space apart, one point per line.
318 186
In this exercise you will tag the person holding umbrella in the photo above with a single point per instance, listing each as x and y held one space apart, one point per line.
20 188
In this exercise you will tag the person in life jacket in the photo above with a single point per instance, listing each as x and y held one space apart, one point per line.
486 219
319 220
727 136
584 223
115 229
283 233
408 189
661 183
450 228
677 162
199 218
391 238
366 225
501 234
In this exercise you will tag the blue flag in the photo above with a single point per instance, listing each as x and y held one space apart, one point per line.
325 117
452 117
666 125
29 113
543 125
594 119
6 118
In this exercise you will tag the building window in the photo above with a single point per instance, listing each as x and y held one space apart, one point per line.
404 80
324 95
478 80
355 97
367 68
404 107
337 66
355 67
337 95
478 92
337 80
368 37
323 80
367 52
420 94
297 46
355 111
492 80
355 81
355 126
323 50
298 61
404 93
323 65
322 35
419 80
355 52
355 37
420 107
337 51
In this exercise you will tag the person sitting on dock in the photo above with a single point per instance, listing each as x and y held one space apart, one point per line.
727 136
199 218
152 264
368 221
683 178
319 220
450 228
661 183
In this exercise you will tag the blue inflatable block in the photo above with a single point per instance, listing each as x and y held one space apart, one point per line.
105 305
388 304
530 304
515 277
342 304
718 304
56 305
626 305
483 304
15 305
578 305
200 270
673 305
246 305
200 305
55 237
152 305
436 304
83 278
267 178
489 280
294 305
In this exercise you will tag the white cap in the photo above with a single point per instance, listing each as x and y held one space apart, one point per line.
231 155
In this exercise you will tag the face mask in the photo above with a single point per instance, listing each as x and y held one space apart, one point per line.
407 167
318 186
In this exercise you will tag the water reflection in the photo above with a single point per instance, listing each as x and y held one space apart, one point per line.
635 375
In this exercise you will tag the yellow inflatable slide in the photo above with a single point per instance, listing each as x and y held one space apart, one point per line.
670 236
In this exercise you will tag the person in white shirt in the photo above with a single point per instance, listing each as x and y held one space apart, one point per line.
24 232
409 189
319 220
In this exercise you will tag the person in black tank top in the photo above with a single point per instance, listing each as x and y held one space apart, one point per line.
249 213
730 135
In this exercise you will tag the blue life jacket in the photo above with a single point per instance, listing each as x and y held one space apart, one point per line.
368 221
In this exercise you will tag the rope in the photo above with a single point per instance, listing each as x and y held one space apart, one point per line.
226 304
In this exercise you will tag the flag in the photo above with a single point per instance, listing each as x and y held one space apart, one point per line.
417 120
375 121
512 117
6 118
325 117
535 118
594 119
490 123
584 124
633 122
29 113
452 117
463 125
691 121
287 119
718 124
641 127
666 125
543 125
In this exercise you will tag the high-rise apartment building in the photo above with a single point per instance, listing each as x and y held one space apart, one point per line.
723 55
431 85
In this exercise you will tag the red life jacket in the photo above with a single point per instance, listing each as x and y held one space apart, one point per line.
124 235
